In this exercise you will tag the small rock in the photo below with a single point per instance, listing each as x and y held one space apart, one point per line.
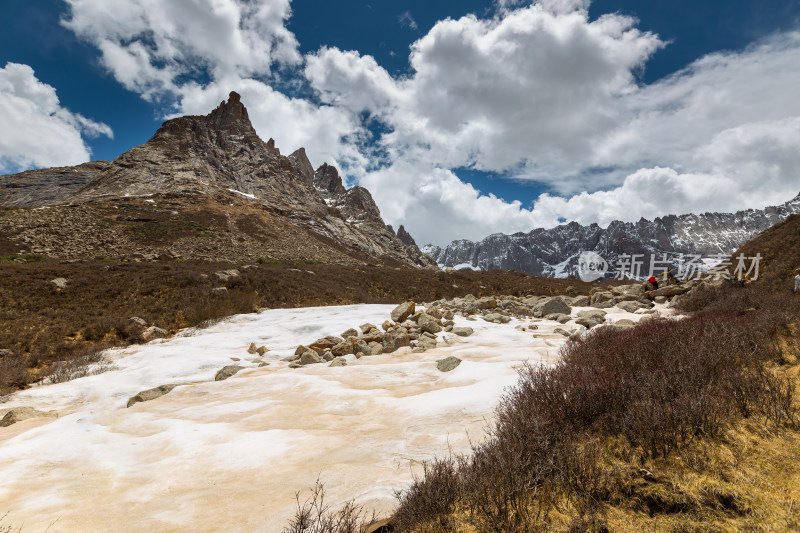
497 318
630 306
18 414
462 331
660 299
218 291
235 359
375 348
562 331
386 325
60 283
366 328
151 394
252 348
261 350
5 353
339 361
448 363
226 372
295 365
154 332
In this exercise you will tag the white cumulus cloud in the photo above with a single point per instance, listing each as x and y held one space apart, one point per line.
36 131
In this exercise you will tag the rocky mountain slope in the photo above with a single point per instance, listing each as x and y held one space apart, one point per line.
555 252
203 187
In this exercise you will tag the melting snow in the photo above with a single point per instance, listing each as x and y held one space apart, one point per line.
230 455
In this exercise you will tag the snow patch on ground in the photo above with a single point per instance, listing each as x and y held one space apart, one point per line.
230 455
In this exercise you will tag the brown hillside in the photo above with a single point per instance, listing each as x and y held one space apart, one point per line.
779 247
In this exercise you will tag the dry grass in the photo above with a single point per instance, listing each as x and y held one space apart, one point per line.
42 324
671 426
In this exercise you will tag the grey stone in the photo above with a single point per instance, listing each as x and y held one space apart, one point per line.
339 361
226 275
554 305
153 332
151 394
496 318
218 291
227 371
448 363
138 320
5 353
60 283
630 306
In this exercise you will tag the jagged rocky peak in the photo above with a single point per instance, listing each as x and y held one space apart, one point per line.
302 165
232 116
405 237
327 180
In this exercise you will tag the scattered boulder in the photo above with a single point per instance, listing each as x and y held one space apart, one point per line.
625 322
462 331
428 323
300 350
563 319
350 333
589 319
151 394
395 339
18 414
580 301
310 357
218 291
339 361
252 348
497 318
138 320
601 296
630 306
375 348
344 348
226 275
660 299
403 311
365 328
486 303
386 325
330 341
154 332
261 350
227 371
554 305
60 283
562 331
448 364
423 343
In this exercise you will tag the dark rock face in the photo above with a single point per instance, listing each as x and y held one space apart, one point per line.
47 186
405 237
554 252
205 158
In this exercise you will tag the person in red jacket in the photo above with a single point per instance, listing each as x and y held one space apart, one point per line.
654 282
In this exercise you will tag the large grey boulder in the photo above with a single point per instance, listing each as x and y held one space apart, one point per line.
403 311
227 371
590 319
448 363
154 332
554 305
226 275
151 394
60 283
631 306
462 331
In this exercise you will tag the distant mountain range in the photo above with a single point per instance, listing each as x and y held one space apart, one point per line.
203 187
555 252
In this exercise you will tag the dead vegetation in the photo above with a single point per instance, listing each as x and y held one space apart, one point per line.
45 327
687 425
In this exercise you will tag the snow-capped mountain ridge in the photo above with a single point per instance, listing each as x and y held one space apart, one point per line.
554 252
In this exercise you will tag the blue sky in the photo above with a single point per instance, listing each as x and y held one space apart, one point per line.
462 117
